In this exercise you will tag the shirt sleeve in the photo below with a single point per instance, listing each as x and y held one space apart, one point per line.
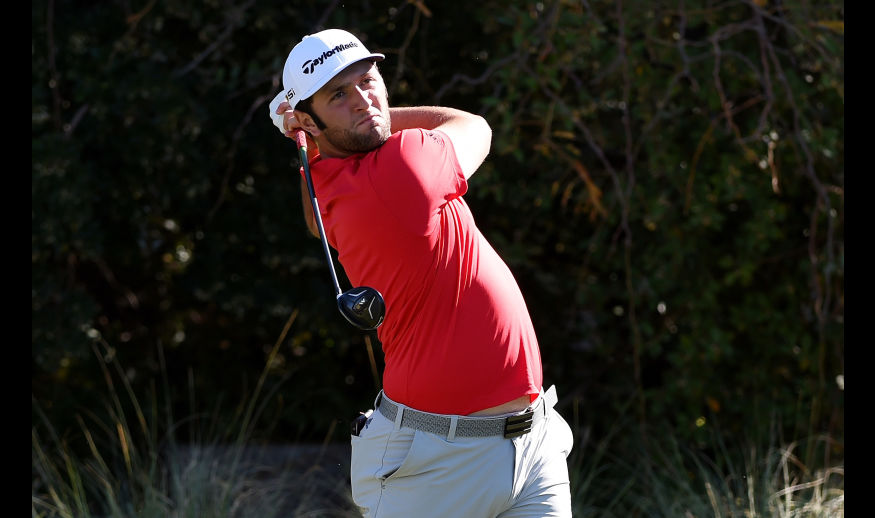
416 173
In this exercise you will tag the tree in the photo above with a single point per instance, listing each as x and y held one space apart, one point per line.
666 183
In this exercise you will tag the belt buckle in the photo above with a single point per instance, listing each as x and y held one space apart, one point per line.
517 425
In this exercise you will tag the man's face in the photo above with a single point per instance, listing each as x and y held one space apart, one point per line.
354 107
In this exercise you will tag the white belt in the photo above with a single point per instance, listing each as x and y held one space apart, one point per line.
450 426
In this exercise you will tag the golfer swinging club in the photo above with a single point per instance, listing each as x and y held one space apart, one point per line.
463 426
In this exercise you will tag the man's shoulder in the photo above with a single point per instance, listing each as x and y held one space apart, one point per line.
433 134
415 147
414 139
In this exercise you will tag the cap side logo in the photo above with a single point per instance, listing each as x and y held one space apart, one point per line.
310 65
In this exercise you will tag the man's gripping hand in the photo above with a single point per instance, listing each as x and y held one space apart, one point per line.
275 115
282 115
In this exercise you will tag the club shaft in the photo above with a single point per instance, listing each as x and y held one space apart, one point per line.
302 153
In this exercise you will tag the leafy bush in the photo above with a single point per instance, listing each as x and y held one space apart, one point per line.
666 183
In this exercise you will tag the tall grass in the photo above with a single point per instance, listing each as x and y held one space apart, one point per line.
654 475
129 464
125 462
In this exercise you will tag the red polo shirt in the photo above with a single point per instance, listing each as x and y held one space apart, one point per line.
457 337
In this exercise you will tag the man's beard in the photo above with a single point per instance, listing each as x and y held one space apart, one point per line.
350 141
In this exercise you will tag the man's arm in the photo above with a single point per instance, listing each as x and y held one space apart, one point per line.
470 133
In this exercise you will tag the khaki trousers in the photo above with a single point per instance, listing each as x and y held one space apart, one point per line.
399 472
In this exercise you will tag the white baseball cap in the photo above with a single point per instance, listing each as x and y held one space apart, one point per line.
317 59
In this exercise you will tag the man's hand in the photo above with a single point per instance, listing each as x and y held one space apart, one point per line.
283 116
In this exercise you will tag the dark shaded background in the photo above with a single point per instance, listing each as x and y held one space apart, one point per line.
666 183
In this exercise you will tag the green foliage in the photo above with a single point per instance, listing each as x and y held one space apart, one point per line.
682 198
666 183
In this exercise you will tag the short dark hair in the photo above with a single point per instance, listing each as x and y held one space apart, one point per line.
306 106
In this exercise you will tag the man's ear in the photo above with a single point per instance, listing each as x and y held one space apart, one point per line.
307 122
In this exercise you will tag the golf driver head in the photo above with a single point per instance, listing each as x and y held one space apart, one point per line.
363 307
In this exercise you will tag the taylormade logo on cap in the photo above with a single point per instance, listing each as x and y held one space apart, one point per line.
319 57
311 64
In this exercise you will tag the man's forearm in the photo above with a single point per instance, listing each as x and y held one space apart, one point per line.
425 117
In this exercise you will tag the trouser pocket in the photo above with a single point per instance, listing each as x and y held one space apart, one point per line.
360 422
377 453
561 434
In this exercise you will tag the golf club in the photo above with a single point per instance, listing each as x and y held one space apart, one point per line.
363 307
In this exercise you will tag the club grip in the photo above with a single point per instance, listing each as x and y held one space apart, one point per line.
301 138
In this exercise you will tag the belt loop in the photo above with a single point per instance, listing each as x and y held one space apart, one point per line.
399 417
550 399
378 399
454 420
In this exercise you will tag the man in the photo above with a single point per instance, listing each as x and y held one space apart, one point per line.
462 426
